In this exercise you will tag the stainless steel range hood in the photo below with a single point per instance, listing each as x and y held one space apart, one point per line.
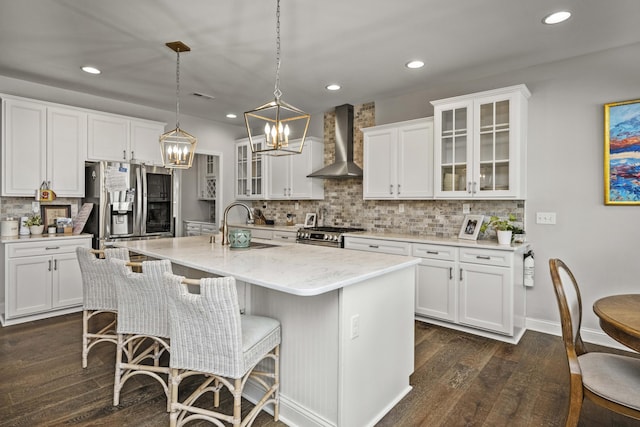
342 166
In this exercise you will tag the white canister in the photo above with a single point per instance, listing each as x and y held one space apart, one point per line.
9 227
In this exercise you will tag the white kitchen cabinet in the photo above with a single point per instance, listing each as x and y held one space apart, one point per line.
480 144
288 174
199 228
41 278
398 160
477 290
123 139
42 142
250 171
208 170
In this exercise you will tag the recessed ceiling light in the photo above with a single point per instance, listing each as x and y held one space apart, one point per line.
90 70
414 64
333 86
557 17
231 116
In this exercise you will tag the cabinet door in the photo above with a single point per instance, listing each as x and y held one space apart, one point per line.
250 169
243 159
66 150
453 150
415 161
145 142
24 156
208 169
29 285
380 162
486 297
280 179
436 289
67 281
108 138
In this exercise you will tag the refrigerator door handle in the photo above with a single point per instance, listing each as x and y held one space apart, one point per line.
141 216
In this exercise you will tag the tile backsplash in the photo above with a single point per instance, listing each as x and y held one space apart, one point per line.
21 206
343 204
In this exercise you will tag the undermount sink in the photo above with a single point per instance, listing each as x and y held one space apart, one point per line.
256 245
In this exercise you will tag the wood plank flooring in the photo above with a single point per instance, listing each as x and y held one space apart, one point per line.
459 380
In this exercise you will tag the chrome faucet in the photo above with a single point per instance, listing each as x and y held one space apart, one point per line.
225 229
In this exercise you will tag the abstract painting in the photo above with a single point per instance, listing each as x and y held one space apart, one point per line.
622 153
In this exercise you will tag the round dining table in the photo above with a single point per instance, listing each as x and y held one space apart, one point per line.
620 318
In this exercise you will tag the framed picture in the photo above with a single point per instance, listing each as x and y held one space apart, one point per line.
310 220
51 212
622 153
471 227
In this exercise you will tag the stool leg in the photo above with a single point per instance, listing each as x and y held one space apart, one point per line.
276 369
118 371
237 402
85 339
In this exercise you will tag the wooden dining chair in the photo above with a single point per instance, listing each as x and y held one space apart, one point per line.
609 380
212 341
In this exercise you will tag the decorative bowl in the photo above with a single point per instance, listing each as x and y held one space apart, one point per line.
239 238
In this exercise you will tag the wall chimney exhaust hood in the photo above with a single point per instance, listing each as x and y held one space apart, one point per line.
342 166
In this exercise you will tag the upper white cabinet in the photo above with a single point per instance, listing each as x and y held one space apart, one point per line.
42 142
250 171
398 160
480 144
120 138
208 170
288 174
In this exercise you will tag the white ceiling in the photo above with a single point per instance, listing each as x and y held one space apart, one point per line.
360 44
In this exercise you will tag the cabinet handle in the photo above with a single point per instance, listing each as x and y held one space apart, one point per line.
124 154
433 252
450 273
51 248
374 246
475 185
461 275
284 237
483 257
49 265
391 189
132 155
398 189
55 264
469 187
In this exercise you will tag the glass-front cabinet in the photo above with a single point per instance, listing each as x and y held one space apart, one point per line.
250 171
480 144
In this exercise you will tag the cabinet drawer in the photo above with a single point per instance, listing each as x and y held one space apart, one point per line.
285 236
189 226
423 250
51 247
486 257
209 229
377 245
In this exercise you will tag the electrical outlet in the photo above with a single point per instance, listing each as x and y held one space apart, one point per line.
401 207
548 218
297 206
466 208
35 207
355 326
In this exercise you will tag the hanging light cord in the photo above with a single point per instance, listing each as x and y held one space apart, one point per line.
277 92
178 89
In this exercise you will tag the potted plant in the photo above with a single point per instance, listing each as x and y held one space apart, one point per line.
505 228
35 224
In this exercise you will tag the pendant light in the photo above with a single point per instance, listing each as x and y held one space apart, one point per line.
177 146
277 128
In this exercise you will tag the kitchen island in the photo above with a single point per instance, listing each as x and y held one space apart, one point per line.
347 321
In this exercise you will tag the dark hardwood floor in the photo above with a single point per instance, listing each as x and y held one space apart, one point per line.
459 380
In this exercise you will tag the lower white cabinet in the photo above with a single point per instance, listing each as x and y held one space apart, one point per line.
198 228
478 290
41 278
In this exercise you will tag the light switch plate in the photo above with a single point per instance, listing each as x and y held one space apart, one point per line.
466 208
547 218
35 207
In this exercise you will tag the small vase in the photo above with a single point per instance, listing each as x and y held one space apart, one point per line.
36 229
504 237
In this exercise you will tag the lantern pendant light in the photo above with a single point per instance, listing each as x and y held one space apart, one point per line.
178 146
277 128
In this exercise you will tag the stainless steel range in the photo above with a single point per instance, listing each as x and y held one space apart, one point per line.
325 236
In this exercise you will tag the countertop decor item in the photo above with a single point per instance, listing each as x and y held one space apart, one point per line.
471 227
178 146
239 238
276 121
34 222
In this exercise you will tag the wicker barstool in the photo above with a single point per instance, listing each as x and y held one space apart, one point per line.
210 338
143 325
98 297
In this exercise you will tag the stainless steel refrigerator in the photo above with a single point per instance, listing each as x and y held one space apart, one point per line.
130 202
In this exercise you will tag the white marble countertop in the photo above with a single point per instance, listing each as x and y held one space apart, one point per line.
291 228
480 244
303 270
41 237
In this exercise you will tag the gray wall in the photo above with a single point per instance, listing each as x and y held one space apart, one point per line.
565 173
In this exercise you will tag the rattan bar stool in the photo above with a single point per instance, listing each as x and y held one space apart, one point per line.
143 325
98 297
210 338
